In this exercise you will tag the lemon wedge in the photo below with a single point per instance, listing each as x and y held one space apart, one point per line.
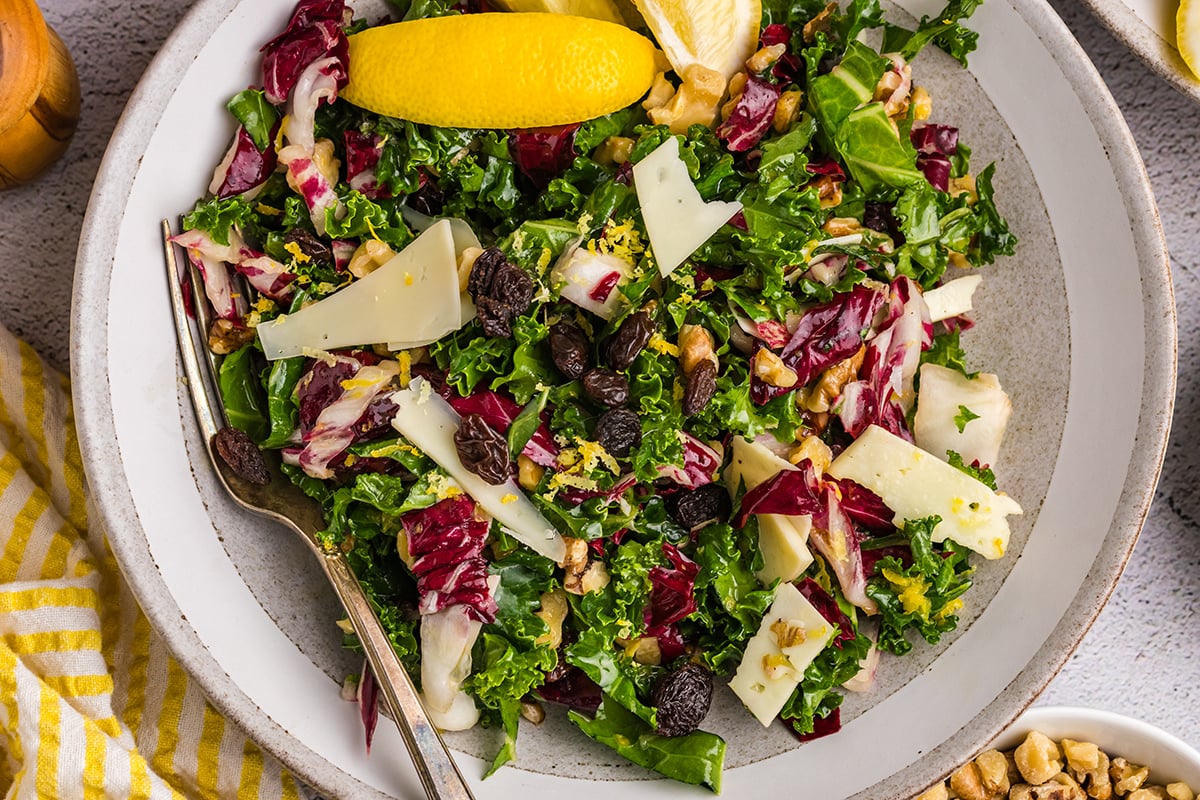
595 9
717 34
501 70
1187 34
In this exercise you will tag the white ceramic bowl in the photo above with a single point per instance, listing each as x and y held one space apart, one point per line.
1167 756
1147 28
1079 326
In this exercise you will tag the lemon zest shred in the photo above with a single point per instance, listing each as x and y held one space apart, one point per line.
299 255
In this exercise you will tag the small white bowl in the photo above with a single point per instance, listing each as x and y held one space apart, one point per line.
1168 758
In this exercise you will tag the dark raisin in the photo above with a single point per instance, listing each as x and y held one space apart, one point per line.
629 340
606 387
238 450
697 507
879 217
309 245
483 271
482 450
682 699
428 199
501 290
619 431
569 349
701 386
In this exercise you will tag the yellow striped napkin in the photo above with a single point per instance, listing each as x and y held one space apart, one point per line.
92 704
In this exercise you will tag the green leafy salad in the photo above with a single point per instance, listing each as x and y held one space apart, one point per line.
617 415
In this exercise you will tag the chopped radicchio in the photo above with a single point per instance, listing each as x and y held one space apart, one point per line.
672 597
885 392
362 157
318 83
935 139
446 544
313 174
934 143
828 167
574 690
864 507
751 116
936 170
700 464
314 32
800 492
824 603
331 407
775 33
542 154
268 276
244 167
210 258
827 725
368 707
826 335
792 492
836 539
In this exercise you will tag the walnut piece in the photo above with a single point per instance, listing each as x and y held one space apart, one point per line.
695 102
553 611
770 369
1038 758
370 256
695 345
829 386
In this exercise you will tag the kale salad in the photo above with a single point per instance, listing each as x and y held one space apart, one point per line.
615 415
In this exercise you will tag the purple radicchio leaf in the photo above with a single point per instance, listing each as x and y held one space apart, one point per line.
792 492
827 334
827 725
839 543
936 169
248 167
885 389
362 156
542 154
314 32
446 544
368 706
672 598
935 139
751 116
828 608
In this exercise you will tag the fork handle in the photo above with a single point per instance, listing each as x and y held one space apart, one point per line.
438 772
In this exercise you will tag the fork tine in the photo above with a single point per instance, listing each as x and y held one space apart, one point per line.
209 413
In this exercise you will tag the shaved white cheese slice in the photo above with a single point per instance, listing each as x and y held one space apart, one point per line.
677 220
791 635
428 421
950 400
953 298
782 539
916 484
463 237
413 297
783 542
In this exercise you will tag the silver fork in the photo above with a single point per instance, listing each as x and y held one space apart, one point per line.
284 502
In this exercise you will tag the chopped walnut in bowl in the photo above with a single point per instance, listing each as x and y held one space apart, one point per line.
1067 753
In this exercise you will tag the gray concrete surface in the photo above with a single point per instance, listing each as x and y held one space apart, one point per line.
1140 658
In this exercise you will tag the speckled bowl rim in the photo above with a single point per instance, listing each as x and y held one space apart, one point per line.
1160 55
113 500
